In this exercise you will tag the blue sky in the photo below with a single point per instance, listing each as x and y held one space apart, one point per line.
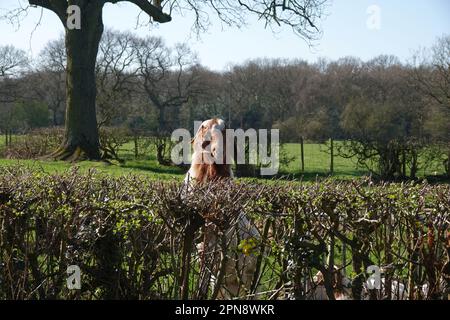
405 26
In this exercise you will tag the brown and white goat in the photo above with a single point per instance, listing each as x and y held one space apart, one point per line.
210 163
209 160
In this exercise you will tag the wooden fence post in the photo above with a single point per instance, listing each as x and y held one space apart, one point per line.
302 154
331 155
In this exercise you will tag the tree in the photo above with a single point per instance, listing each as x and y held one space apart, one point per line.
116 76
247 86
209 102
384 135
431 71
13 62
81 136
167 80
373 130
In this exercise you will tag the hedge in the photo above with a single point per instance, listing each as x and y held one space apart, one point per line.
130 236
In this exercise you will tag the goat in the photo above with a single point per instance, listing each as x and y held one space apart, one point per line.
210 163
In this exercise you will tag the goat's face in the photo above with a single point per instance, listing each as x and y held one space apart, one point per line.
209 160
209 142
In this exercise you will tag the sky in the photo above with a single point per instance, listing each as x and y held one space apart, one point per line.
359 28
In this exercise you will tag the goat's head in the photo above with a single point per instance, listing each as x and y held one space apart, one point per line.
209 160
210 141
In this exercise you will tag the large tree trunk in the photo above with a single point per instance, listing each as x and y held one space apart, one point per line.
81 136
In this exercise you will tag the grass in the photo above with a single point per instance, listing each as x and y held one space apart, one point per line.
317 164
147 166
133 167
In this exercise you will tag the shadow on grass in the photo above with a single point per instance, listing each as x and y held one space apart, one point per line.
153 168
317 175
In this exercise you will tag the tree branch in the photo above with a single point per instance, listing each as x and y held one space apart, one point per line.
155 12
58 7
41 3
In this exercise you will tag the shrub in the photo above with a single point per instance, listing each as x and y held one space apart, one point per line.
37 143
128 235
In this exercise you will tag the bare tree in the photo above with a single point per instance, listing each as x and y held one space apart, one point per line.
49 82
115 72
167 79
13 62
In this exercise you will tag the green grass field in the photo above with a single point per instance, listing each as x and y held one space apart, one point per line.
317 164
